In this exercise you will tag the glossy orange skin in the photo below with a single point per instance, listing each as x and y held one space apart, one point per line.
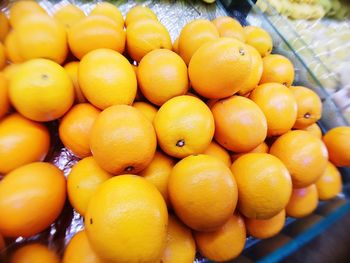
229 27
337 141
4 26
108 10
4 98
314 129
261 148
330 183
21 9
216 150
302 202
258 38
139 12
2 56
147 109
69 15
34 252
72 70
12 48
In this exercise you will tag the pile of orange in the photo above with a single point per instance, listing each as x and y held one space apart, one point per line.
179 151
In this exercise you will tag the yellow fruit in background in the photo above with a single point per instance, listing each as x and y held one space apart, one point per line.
203 192
122 140
225 243
72 70
69 15
302 202
112 73
34 252
337 141
21 9
330 183
193 36
22 141
146 109
143 36
180 246
261 148
75 128
12 48
139 12
41 90
180 124
162 75
216 150
127 207
314 129
4 26
218 68
82 182
4 98
108 10
2 56
258 38
229 27
264 185
176 45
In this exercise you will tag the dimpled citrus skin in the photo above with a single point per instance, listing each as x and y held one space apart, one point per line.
147 109
193 186
330 183
304 155
216 150
126 220
258 38
109 10
261 148
69 15
34 252
264 185
229 27
180 124
21 9
337 141
302 202
139 12
314 129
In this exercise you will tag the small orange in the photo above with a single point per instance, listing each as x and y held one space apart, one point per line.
162 75
10 70
4 26
180 124
34 252
72 70
12 48
4 98
2 56
302 202
194 184
31 198
69 15
194 35
21 9
83 181
279 106
229 27
158 171
264 185
225 243
337 141
139 12
22 141
143 36
112 73
240 125
218 68
122 140
94 32
330 183
147 109
277 68
258 38
176 46
108 10
314 129
261 148
266 228
309 106
216 150
75 128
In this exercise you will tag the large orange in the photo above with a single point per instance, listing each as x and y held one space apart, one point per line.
277 68
279 106
194 35
12 48
258 38
21 9
72 70
337 141
22 141
203 192
108 10
240 125
2 56
31 198
41 90
216 150
122 140
218 68
162 75
4 26
139 12
330 183
264 185
4 98
147 109
112 74
34 252
314 129
261 148
229 27
69 15
75 128
180 124
302 202
94 32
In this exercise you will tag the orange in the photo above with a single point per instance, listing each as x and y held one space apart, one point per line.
79 250
146 109
278 105
12 48
176 45
72 70
203 192
302 202
10 70
139 12
162 75
94 32
41 90
309 106
218 68
2 56
158 171
240 125
31 198
69 15
22 141
143 36
122 140
266 228
180 124
314 129
261 148
180 246
21 9
258 38
34 252
330 183
229 27
83 181
337 141
108 10
4 26
216 150
277 68
304 155
112 73
75 128
225 243
126 220
4 98
264 185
